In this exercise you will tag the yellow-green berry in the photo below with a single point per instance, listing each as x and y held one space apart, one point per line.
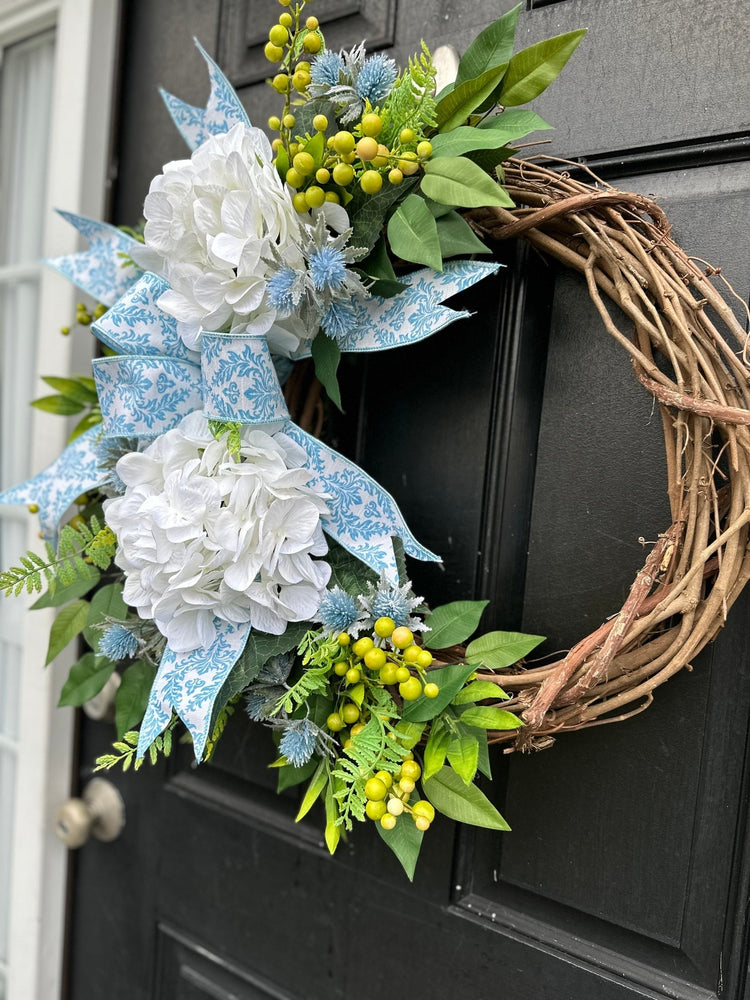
280 83
384 627
332 197
424 149
395 806
375 809
274 122
395 176
402 637
312 43
387 821
294 178
300 202
353 675
272 52
287 20
343 174
367 149
340 667
376 790
388 674
343 142
410 690
407 135
334 722
350 712
278 35
289 121
304 163
375 659
424 808
371 182
422 823
320 123
362 646
344 639
371 124
322 176
431 690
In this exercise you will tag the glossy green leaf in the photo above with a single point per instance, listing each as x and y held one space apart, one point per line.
72 388
512 124
87 421
409 733
290 776
316 786
465 139
316 147
60 405
454 180
326 356
378 266
492 47
282 162
58 595
532 70
69 623
450 680
357 694
453 623
478 691
107 602
85 680
132 696
405 840
456 237
412 233
453 109
498 650
367 212
333 829
463 756
463 803
485 717
435 749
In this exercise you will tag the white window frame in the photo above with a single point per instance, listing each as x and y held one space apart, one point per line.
85 56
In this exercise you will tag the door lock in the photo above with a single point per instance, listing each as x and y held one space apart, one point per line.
99 812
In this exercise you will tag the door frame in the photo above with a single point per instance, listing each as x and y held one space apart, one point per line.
86 33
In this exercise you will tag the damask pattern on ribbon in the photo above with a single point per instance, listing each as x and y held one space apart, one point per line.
223 110
189 683
416 312
363 517
239 380
101 270
145 396
74 471
136 325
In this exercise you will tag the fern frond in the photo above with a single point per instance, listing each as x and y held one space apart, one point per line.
233 432
411 102
126 749
369 751
221 723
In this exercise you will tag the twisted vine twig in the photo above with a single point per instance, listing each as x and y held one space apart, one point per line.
621 244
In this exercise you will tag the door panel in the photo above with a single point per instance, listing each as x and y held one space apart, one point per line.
520 446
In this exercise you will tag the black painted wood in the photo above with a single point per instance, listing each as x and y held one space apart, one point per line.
520 447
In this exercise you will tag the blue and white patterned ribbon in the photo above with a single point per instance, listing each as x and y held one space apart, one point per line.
145 396
104 271
189 684
76 469
239 381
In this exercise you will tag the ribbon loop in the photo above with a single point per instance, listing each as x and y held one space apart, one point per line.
240 383
145 396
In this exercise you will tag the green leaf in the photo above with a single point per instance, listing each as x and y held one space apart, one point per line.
347 572
492 47
455 107
456 236
289 776
314 789
490 718
478 691
357 694
412 233
436 749
333 829
69 623
326 355
532 70
465 804
463 756
73 389
60 405
106 603
316 147
378 266
409 733
87 421
498 650
453 623
405 840
513 123
57 595
132 696
450 680
85 680
367 212
282 162
454 180
463 140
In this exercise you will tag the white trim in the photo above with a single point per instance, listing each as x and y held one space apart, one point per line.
82 97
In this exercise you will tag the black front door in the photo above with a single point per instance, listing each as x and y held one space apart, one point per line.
529 457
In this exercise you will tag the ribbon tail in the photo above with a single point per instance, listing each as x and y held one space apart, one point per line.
223 111
76 470
189 683
415 313
362 517
104 271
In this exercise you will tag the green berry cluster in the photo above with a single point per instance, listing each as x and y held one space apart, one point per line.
349 158
84 317
388 797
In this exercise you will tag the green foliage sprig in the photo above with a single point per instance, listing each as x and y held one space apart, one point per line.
80 545
411 102
127 746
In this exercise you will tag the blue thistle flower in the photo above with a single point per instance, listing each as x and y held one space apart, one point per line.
376 78
387 600
338 611
298 742
325 69
280 288
327 268
338 319
118 643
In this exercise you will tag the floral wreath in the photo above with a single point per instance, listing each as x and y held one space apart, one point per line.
221 555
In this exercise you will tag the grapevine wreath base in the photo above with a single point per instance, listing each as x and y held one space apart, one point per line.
620 243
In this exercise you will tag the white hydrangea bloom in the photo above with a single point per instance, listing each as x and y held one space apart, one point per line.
202 535
210 221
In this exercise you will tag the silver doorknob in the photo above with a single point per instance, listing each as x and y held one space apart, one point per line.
99 812
445 59
101 708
